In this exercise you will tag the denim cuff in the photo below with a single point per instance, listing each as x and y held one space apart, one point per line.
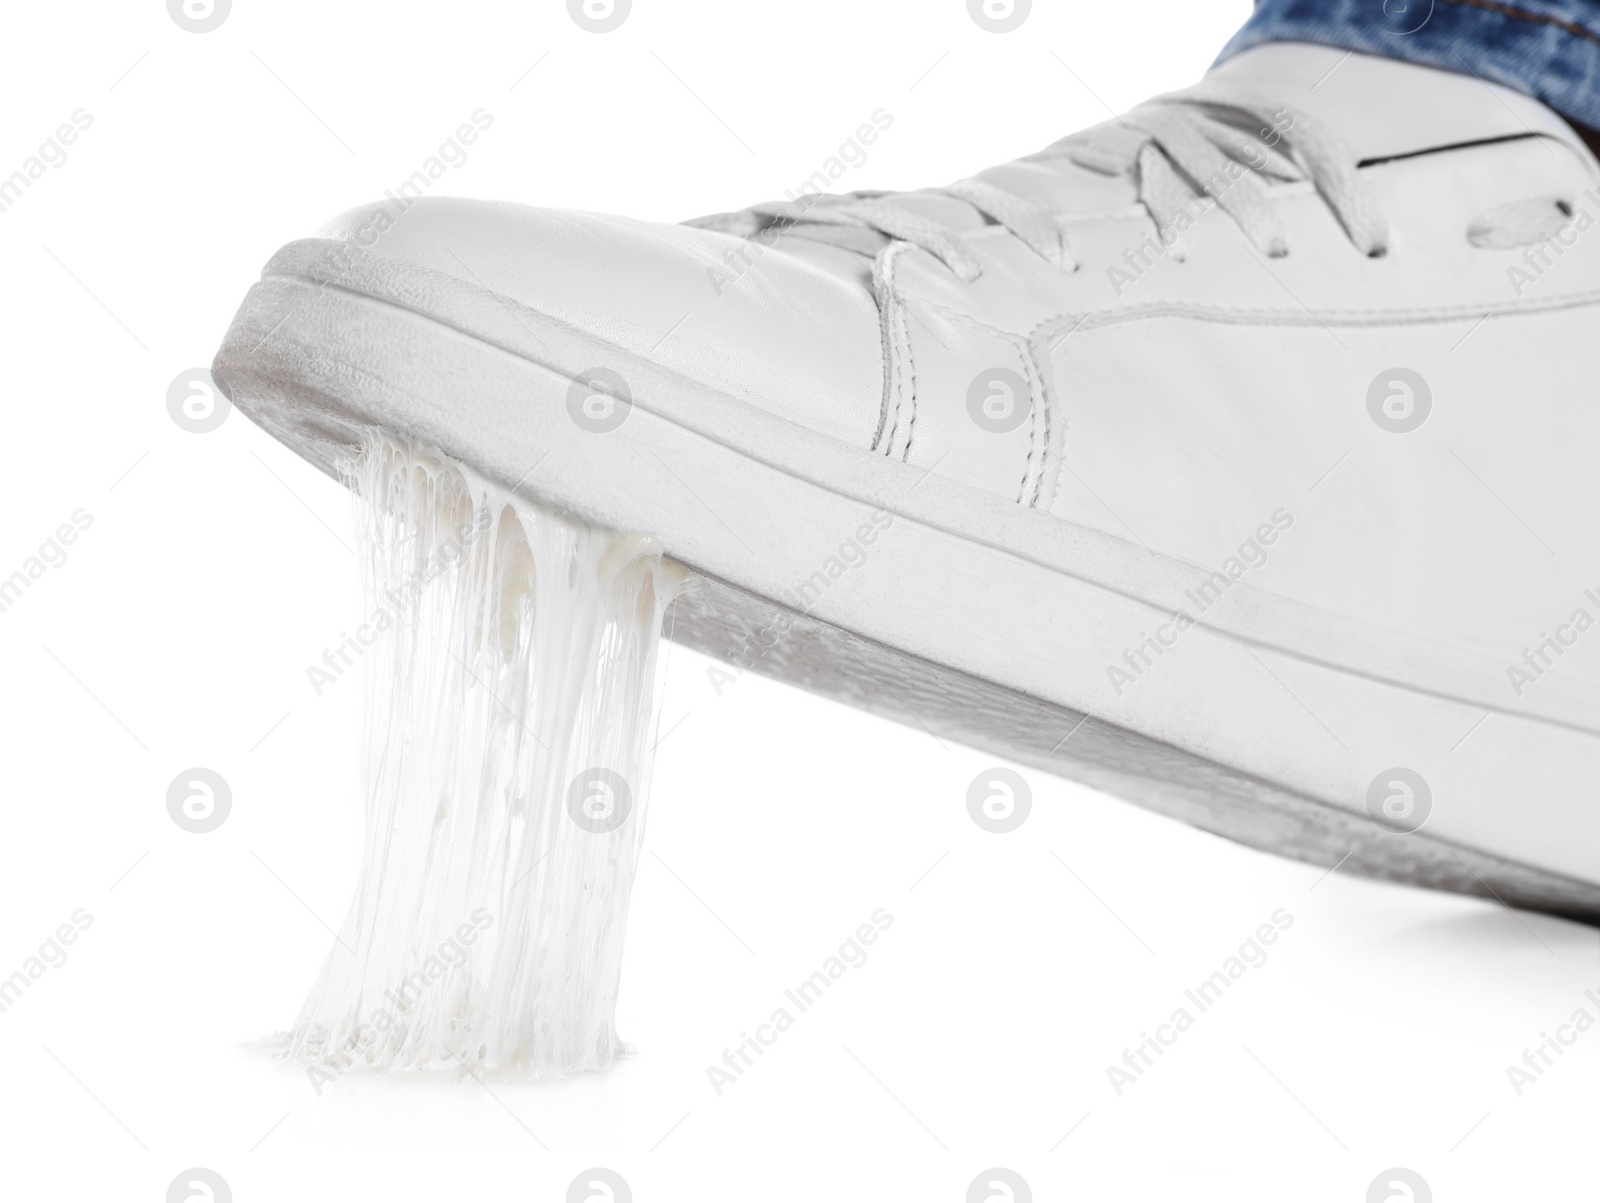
1549 49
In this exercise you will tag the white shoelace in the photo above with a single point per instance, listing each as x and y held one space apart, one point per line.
1183 147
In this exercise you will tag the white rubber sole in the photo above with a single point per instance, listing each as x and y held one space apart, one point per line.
938 605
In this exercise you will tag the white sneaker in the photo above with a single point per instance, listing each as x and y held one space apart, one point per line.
1270 512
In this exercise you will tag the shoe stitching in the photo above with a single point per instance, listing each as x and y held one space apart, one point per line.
883 294
1033 433
1285 317
1038 444
1050 326
1039 439
1047 404
1290 318
1272 317
909 379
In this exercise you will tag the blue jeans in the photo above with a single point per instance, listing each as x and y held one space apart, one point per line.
1549 49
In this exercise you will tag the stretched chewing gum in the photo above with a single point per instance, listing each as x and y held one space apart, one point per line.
510 684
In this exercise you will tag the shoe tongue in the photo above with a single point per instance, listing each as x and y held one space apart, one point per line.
1381 107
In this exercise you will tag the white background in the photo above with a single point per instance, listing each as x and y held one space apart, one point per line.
217 568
